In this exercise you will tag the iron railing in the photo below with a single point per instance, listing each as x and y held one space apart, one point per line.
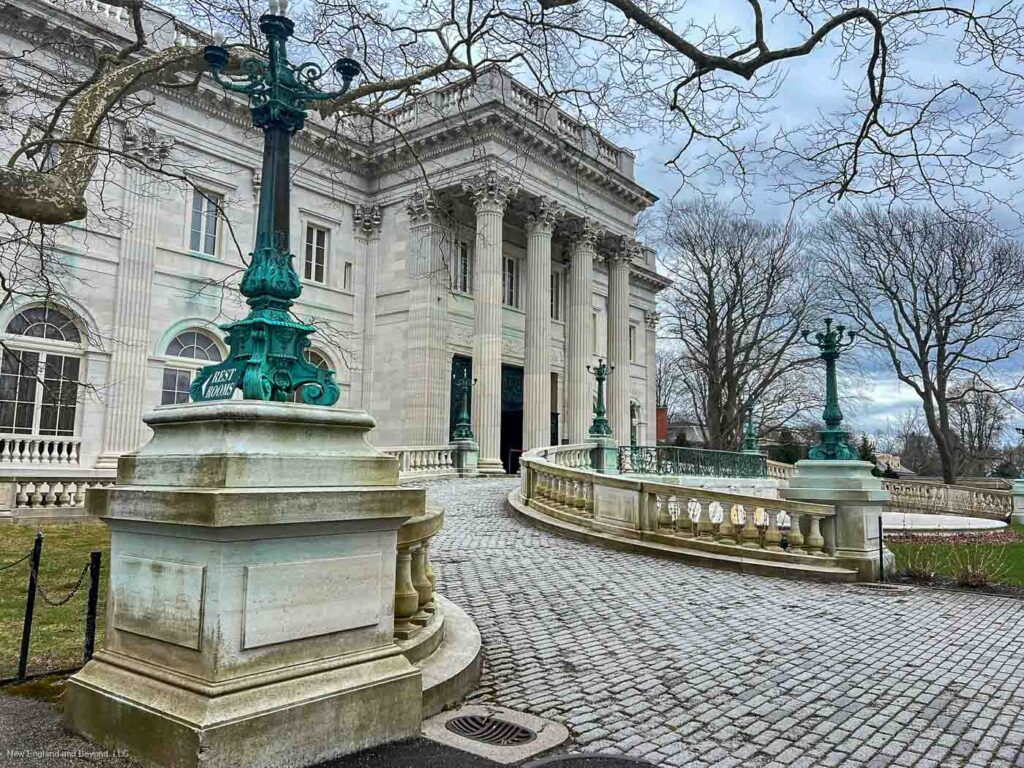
692 462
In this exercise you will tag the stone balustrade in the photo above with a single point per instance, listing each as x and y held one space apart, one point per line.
722 528
939 499
32 497
424 461
414 575
571 456
22 450
778 470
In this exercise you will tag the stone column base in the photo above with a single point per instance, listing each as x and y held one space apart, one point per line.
467 457
491 467
300 721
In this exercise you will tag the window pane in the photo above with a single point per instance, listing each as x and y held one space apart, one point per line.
197 220
23 418
6 416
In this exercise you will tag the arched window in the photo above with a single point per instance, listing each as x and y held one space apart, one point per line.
317 360
39 380
194 349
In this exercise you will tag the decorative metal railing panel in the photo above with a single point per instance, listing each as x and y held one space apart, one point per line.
690 462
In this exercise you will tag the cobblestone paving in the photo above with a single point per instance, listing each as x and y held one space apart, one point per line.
685 666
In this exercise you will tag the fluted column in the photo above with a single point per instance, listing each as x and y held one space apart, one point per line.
540 225
426 410
578 404
123 429
618 342
490 193
366 221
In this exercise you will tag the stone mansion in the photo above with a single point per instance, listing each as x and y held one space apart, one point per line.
488 233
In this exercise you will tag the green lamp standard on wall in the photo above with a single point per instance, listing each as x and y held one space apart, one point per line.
833 445
600 426
267 358
750 442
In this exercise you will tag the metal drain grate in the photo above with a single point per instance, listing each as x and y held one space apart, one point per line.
490 730
892 589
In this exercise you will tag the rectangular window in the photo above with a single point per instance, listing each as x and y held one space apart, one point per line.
593 331
175 386
317 243
462 271
556 295
632 343
205 221
38 393
347 276
510 282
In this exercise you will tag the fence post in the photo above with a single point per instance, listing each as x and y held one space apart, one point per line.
30 605
95 559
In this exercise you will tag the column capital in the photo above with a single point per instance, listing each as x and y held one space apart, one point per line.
490 191
585 233
542 216
651 320
422 206
622 252
144 144
366 220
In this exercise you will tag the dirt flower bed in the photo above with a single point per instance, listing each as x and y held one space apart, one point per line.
1004 536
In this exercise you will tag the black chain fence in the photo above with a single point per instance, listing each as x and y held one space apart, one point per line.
50 598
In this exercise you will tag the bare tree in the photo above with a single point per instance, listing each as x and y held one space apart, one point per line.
939 297
667 381
684 69
739 297
908 438
979 421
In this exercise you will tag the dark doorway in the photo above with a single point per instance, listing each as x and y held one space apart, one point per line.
461 366
511 417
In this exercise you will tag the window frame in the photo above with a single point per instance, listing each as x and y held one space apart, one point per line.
181 364
310 226
633 346
45 349
209 194
462 272
511 292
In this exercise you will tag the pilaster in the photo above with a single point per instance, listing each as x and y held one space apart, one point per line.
366 223
540 225
650 366
578 334
490 193
123 428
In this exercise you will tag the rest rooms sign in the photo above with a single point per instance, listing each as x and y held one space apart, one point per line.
221 384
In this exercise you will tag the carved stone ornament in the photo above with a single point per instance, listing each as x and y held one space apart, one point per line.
584 234
543 214
367 219
146 145
651 319
422 206
490 190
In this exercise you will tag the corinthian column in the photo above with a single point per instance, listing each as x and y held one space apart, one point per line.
490 193
578 352
366 221
618 341
540 225
650 360
123 430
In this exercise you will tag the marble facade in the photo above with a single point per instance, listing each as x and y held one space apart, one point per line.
445 237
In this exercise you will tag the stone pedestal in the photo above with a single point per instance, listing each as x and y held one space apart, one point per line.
467 457
252 582
1017 516
604 456
858 498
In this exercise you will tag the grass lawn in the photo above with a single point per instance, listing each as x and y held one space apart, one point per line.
949 555
58 633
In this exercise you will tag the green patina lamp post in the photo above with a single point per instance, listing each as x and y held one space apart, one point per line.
600 426
833 445
267 359
463 386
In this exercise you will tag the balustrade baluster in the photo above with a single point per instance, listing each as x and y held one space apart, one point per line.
33 452
35 496
751 536
772 534
796 536
407 599
726 529
61 494
48 497
421 583
21 495
815 541
704 527
5 451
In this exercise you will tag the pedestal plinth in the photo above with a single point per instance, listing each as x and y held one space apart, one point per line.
252 580
858 497
604 455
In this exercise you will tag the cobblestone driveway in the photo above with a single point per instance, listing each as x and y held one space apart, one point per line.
685 666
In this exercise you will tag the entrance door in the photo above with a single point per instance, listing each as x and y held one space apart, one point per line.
511 417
